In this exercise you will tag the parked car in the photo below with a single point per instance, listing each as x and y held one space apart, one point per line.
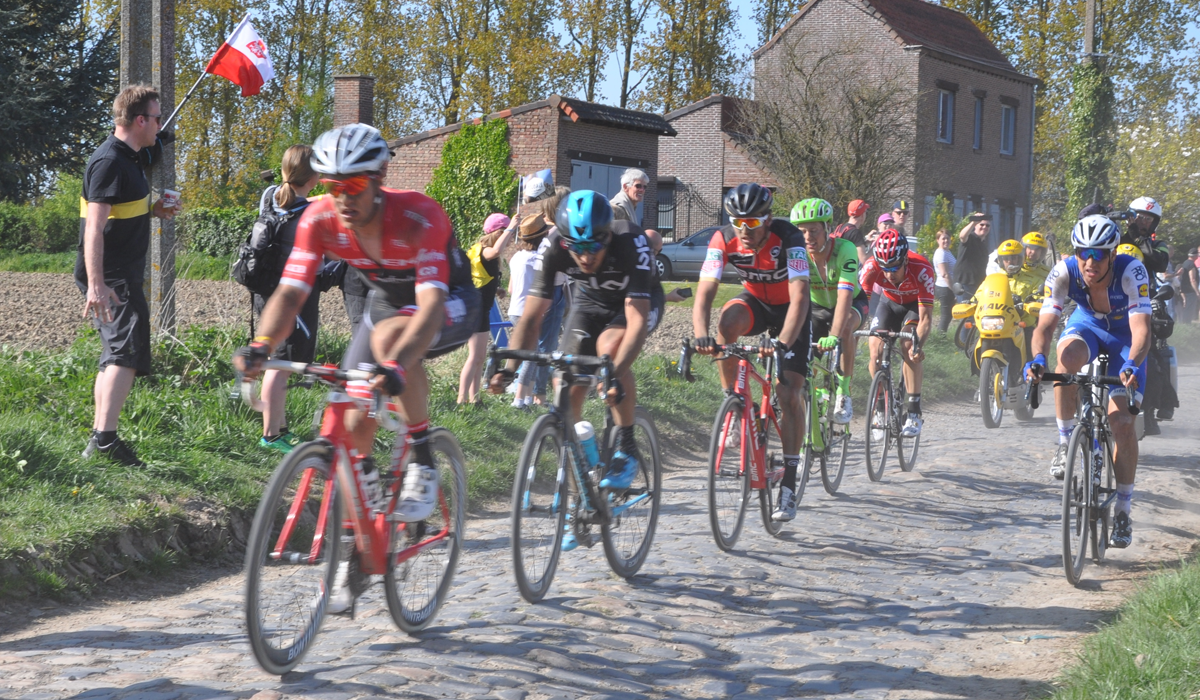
683 259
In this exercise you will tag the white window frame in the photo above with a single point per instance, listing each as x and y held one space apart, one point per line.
1008 129
945 132
978 142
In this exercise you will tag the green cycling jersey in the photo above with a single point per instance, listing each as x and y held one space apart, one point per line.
840 272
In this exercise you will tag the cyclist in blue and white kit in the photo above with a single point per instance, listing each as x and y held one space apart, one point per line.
1112 297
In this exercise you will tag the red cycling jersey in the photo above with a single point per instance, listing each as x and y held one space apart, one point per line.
417 241
917 284
765 273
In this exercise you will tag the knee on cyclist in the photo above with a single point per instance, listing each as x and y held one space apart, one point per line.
1072 355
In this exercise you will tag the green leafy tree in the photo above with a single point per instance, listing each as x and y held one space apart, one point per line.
692 58
474 178
57 82
941 217
771 15
1089 147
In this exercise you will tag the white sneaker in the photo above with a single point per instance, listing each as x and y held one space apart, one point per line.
912 426
1058 466
419 494
843 410
785 510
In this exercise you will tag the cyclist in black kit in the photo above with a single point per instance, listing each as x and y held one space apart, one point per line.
610 262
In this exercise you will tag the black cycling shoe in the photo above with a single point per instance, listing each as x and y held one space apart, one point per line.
116 451
1122 532
1152 427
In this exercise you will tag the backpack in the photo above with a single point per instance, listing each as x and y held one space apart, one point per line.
259 263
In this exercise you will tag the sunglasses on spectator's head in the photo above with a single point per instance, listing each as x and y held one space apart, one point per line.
1096 254
748 223
352 186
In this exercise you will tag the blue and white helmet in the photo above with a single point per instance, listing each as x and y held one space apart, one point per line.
584 220
1095 231
350 150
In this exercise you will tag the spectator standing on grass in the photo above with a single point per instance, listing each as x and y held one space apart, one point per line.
852 229
548 337
973 251
520 267
485 273
943 265
288 200
114 235
633 191
1189 282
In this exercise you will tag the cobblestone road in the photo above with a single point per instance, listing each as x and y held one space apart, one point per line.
942 583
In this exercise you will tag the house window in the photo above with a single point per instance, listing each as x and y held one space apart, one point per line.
666 208
978 142
945 116
1008 128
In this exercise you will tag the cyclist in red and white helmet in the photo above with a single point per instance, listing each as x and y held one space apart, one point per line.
904 280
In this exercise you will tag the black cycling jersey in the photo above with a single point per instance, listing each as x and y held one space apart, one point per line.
624 274
114 176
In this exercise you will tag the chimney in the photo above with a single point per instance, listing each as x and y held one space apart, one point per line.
353 100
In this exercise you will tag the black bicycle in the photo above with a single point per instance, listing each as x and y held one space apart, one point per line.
555 488
1088 488
885 410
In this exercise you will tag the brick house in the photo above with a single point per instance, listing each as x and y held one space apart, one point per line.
971 111
591 144
705 159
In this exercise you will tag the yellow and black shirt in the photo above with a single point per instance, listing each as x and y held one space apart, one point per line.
114 175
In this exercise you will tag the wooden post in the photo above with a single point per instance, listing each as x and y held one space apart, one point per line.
148 56
1089 32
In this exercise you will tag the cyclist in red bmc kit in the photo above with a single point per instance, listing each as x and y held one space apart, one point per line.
905 281
772 262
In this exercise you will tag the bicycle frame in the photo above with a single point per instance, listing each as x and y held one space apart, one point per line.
816 435
371 532
750 423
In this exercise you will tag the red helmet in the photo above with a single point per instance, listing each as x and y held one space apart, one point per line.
891 247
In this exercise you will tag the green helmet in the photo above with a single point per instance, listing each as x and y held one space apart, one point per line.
810 210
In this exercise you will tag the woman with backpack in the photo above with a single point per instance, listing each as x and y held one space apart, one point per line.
281 207
485 273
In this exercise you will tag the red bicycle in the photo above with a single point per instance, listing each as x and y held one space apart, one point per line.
735 471
314 506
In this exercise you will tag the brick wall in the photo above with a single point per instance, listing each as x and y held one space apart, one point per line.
353 100
696 157
412 166
611 141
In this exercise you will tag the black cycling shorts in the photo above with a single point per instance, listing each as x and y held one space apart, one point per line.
586 321
890 316
125 341
462 318
301 345
821 318
769 318
487 299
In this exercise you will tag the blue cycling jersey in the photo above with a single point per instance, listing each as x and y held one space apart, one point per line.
1128 293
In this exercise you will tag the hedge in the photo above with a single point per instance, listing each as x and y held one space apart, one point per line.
50 227
214 231
474 178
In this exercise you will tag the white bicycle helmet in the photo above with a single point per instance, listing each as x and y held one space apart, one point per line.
1095 231
349 150
1147 205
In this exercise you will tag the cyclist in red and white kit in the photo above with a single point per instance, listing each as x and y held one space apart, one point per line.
422 302
904 280
772 261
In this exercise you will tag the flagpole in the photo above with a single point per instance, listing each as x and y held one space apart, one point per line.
186 97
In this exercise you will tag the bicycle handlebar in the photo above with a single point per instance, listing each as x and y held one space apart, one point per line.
555 359
1077 379
739 350
330 375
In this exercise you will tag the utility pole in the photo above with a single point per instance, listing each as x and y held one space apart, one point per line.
1089 32
148 56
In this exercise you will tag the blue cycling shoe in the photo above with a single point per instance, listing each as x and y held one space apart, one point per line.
621 471
569 542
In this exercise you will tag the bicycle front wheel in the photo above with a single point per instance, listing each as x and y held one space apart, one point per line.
833 463
774 476
728 480
634 511
1076 503
878 437
417 586
539 506
1102 501
291 557
906 447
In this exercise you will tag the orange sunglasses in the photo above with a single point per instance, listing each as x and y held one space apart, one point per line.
748 223
352 186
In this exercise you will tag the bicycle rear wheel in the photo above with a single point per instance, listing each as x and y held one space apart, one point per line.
833 462
1076 503
728 481
1102 509
906 447
417 587
878 437
291 557
634 511
539 506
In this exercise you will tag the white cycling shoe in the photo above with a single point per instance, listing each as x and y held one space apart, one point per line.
912 426
786 509
1058 466
418 497
843 410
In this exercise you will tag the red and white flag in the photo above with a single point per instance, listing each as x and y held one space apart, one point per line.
243 59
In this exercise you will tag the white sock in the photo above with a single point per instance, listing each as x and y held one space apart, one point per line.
529 400
1124 498
1064 429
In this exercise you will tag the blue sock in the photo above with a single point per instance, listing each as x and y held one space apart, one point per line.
1124 498
1065 427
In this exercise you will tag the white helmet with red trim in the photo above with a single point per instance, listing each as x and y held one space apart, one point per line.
1147 205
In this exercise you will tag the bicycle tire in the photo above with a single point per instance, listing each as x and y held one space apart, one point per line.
879 418
1076 503
1103 516
728 480
537 542
906 447
270 580
417 588
627 537
837 448
991 404
774 466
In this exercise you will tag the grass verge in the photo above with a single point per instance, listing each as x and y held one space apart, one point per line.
188 266
1150 651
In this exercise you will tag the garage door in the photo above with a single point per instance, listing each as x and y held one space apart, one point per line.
603 178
